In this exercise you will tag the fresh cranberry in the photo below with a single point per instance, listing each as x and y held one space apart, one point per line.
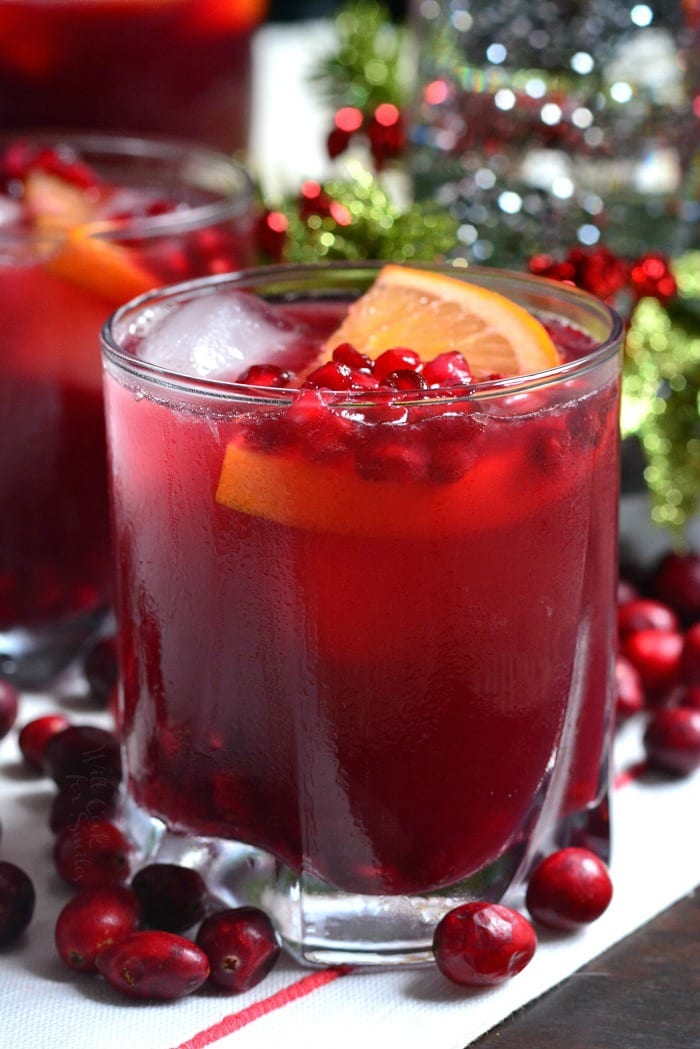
672 740
83 798
690 656
36 734
101 669
92 920
404 379
153 964
265 375
447 369
656 654
345 353
480 944
690 696
398 359
241 947
9 707
82 750
173 898
92 853
17 899
569 889
645 614
629 691
676 582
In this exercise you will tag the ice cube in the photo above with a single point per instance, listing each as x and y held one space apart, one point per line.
218 336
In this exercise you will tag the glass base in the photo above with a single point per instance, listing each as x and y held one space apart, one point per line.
320 925
31 657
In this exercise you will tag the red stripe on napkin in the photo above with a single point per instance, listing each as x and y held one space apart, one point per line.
234 1022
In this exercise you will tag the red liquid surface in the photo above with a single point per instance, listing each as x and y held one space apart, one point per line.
54 549
172 67
377 700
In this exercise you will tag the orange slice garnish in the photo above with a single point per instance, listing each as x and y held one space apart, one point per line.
433 313
74 250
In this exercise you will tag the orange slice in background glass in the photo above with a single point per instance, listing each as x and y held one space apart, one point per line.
430 313
74 250
433 313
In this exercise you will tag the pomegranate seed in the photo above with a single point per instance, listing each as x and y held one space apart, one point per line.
17 899
645 614
386 458
101 669
404 379
481 944
656 654
672 740
690 656
9 707
241 947
330 376
91 921
173 898
82 750
398 359
629 691
265 375
345 353
569 889
447 369
91 854
36 734
153 964
676 582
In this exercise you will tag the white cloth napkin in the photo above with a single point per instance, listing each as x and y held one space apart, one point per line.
656 860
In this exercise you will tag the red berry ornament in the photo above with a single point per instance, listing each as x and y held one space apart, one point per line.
91 921
241 946
569 889
482 944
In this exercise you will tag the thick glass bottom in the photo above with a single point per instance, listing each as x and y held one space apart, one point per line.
31 657
321 925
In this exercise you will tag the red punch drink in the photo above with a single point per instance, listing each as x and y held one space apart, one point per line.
366 573
171 67
84 226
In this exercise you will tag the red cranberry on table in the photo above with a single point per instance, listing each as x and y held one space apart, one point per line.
672 740
676 582
629 690
153 964
656 654
82 750
91 921
17 899
569 889
644 613
481 944
35 735
173 898
92 853
83 798
9 706
690 656
241 946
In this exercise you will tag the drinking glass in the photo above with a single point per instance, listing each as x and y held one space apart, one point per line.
56 289
375 652
166 67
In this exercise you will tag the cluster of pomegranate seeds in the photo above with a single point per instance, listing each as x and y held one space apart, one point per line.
657 668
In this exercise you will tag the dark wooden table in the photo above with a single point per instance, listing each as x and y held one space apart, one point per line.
644 993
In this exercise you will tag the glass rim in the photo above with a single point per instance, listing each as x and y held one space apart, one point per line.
289 273
157 148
